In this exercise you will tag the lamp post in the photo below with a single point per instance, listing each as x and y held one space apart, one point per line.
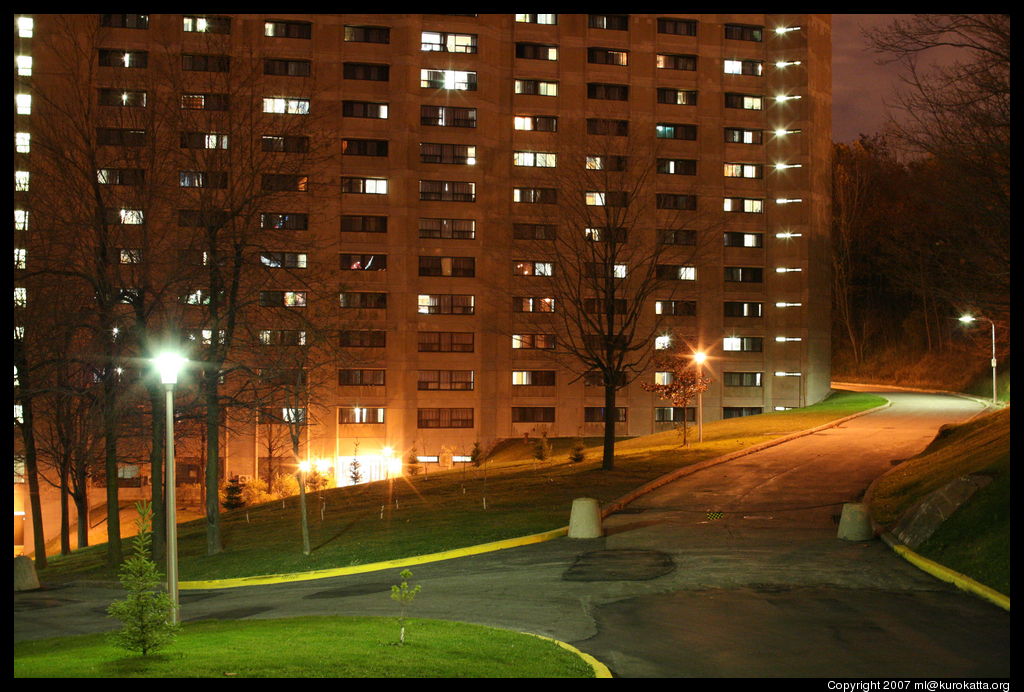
968 319
168 364
304 467
698 358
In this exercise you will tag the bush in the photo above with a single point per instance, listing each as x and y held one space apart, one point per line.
254 492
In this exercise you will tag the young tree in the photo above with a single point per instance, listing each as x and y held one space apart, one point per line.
686 382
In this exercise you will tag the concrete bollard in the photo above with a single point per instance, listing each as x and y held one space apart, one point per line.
855 523
25 578
585 519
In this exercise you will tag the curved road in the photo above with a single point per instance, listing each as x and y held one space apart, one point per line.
734 571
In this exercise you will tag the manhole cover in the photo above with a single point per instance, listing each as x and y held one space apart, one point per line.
619 565
353 590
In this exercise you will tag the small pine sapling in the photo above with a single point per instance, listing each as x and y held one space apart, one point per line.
576 453
404 596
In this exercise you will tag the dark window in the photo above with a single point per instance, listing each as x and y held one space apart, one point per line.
595 414
123 58
744 32
447 153
533 231
214 180
741 136
364 224
741 379
447 266
287 68
676 62
744 101
607 56
204 102
206 25
536 51
362 338
369 71
675 131
745 274
737 239
364 147
359 415
445 380
125 21
678 27
364 109
533 414
121 176
677 166
444 418
673 201
619 22
608 92
205 63
677 236
106 136
602 126
675 272
362 262
598 306
674 414
535 195
363 299
291 144
285 182
121 97
445 342
284 221
447 116
743 309
677 97
207 218
284 29
533 378
678 308
368 34
357 377
452 229
739 411
447 191
533 341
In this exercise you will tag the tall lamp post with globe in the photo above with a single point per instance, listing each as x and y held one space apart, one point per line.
169 364
968 319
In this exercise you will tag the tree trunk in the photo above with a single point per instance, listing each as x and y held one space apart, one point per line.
213 537
158 406
82 511
114 554
65 524
608 460
32 472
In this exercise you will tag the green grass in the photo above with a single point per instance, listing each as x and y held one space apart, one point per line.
974 540
329 647
437 511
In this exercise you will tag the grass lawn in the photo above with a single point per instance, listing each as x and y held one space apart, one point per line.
511 495
330 647
974 540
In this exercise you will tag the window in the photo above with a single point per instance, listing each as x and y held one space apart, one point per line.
741 379
364 109
123 58
205 102
362 338
613 198
368 34
287 68
289 144
533 304
449 229
678 27
23 142
745 274
445 342
743 309
744 101
534 159
125 21
536 51
741 136
604 126
600 270
205 63
282 337
372 72
214 180
738 239
743 205
532 268
742 344
605 163
744 32
447 191
357 377
365 186
121 97
283 299
362 262
445 380
290 106
618 22
675 272
447 116
447 266
606 234
533 231
445 304
608 92
23 104
464 154
677 166
448 79
677 236
447 43
356 300
203 140
598 306
20 297
677 97
537 18
25 27
283 260
23 63
744 170
678 308
364 147
533 341
673 201
667 61
538 123
675 131
747 67
20 257
674 414
535 87
282 29
535 195
595 414
359 415
739 411
285 183
206 25
533 414
284 221
21 220
533 378
607 56
126 217
444 418
364 224
120 176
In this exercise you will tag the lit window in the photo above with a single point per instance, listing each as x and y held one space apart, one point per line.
130 255
22 142
747 67
130 217
663 377
23 103
537 18
21 181
752 344
743 170
534 158
20 297
24 64
662 342
286 105
20 220
25 26
19 258
536 87
447 43
595 199
448 79
743 205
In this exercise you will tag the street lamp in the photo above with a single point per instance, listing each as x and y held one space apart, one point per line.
699 357
967 319
169 364
304 467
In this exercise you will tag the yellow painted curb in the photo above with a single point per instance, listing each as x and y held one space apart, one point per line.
374 566
600 669
944 573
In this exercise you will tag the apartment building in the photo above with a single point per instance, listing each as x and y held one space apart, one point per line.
426 163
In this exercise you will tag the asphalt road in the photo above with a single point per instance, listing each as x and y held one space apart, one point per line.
734 571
